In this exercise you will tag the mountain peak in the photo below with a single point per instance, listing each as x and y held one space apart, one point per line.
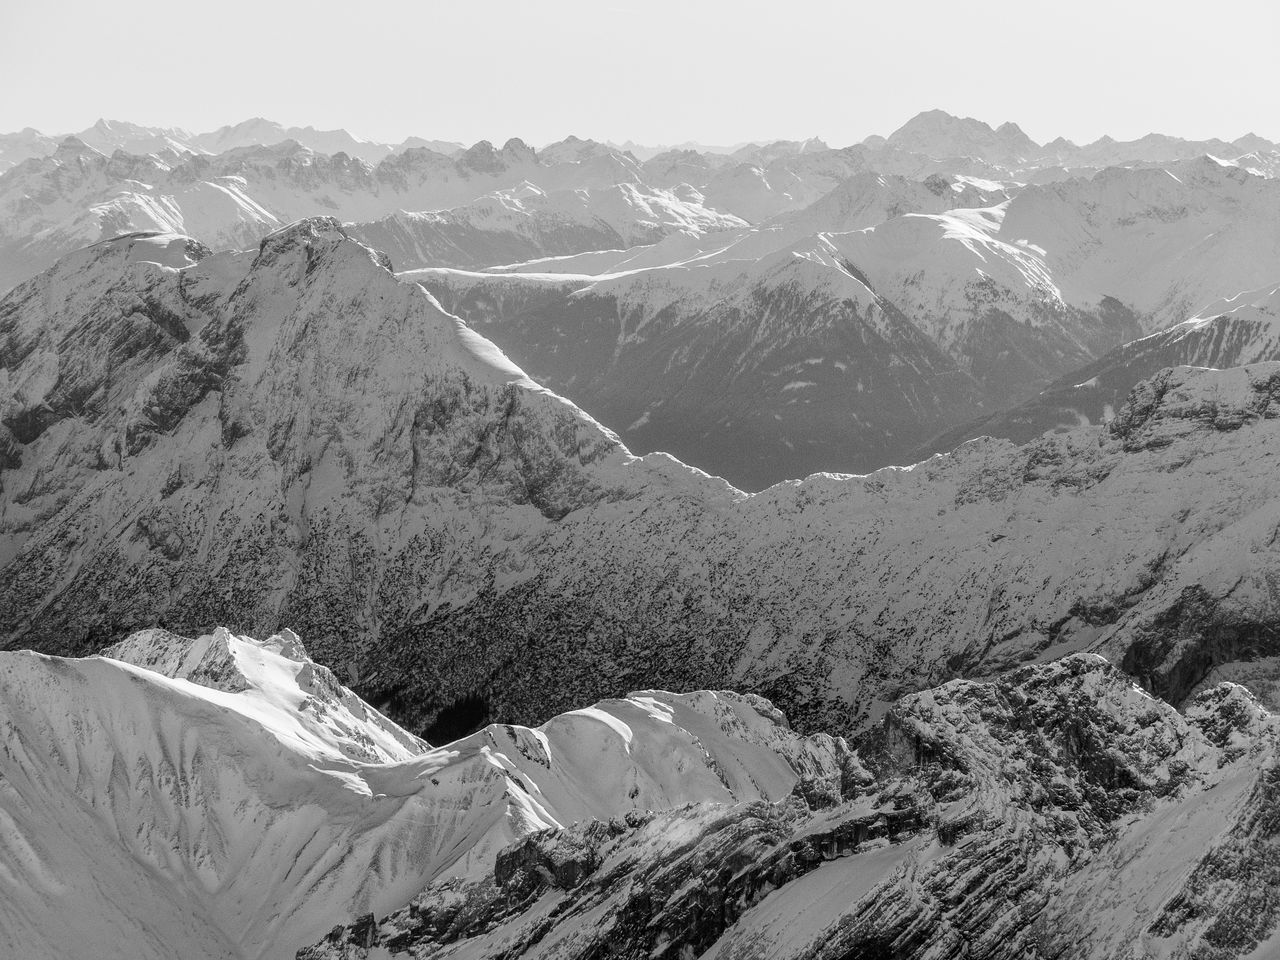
72 146
937 133
322 232
311 228
517 150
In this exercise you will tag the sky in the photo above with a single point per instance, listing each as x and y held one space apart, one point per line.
715 71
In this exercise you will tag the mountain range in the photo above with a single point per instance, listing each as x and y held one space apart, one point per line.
773 550
108 136
844 336
933 133
177 420
223 797
832 309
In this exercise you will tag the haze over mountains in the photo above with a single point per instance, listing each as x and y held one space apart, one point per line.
834 309
933 133
762 550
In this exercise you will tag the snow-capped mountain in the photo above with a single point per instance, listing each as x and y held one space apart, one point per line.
266 133
764 153
643 151
23 145
936 133
78 195
108 136
223 797
785 177
1233 332
449 148
109 352
297 436
998 291
1056 812
1167 243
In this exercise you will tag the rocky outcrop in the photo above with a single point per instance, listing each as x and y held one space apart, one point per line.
998 820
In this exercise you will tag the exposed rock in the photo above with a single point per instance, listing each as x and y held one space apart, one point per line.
1004 820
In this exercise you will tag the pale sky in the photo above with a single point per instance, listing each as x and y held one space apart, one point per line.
717 71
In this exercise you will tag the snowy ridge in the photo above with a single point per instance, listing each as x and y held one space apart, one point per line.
1235 331
294 693
225 797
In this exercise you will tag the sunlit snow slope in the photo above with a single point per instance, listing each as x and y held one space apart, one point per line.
223 797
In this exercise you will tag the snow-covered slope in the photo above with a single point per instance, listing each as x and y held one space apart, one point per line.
222 797
1238 330
525 223
1166 243
1056 812
868 199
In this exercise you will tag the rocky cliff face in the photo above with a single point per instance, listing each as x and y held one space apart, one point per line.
1149 540
289 419
1057 812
